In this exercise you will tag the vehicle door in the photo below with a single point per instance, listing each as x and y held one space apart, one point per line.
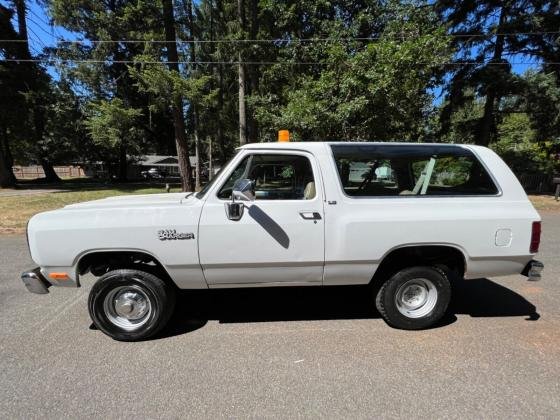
280 237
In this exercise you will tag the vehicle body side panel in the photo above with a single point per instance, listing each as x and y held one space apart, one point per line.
60 238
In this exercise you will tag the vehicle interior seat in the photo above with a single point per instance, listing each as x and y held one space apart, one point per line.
309 191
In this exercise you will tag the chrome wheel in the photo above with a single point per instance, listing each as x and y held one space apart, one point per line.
127 307
416 298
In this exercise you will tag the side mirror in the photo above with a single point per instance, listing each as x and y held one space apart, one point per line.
234 211
243 190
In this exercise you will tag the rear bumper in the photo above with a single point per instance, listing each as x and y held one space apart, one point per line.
533 270
35 282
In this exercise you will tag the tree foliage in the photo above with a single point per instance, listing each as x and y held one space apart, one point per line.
347 70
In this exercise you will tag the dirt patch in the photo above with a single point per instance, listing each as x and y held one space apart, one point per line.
545 203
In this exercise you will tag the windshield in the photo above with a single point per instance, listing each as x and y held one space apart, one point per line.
205 189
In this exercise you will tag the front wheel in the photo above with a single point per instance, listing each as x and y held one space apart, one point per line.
414 298
130 305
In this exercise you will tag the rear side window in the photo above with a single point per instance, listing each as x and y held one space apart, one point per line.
409 170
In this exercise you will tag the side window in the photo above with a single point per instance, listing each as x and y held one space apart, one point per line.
238 173
276 177
386 170
453 175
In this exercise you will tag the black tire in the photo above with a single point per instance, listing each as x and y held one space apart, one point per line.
153 293
391 300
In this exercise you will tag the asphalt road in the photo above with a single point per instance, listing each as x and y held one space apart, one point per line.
286 353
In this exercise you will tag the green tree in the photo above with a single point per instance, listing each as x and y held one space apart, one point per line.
112 29
484 36
11 102
114 127
374 68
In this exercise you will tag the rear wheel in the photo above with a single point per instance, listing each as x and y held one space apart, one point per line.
130 305
414 298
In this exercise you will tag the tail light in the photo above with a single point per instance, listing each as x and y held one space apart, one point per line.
535 237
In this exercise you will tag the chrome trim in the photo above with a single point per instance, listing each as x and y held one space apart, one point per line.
35 282
416 298
27 236
127 307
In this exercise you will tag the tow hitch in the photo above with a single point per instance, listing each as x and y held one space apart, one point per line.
533 270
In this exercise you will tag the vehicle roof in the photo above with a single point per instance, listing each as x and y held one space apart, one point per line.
319 145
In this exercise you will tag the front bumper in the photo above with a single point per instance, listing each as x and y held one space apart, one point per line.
35 282
533 270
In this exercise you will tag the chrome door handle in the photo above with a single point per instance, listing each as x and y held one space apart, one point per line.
310 215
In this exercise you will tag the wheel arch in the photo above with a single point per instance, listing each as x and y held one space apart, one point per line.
452 256
141 259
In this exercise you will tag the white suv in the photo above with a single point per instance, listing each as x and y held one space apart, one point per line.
409 219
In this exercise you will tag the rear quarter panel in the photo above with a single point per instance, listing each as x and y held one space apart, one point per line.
360 232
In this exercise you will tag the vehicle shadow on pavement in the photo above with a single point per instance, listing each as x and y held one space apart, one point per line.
477 298
484 298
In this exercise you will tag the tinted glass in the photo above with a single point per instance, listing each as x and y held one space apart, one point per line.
397 170
276 177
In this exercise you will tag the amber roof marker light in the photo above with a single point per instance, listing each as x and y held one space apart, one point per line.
283 136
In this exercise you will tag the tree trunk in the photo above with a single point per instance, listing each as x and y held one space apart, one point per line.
197 155
192 49
220 106
252 74
123 163
177 103
5 145
50 175
5 148
38 111
7 178
488 118
22 24
210 164
242 108
39 129
220 134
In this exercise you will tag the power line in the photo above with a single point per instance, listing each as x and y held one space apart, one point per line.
36 36
286 40
30 44
70 61
38 25
55 33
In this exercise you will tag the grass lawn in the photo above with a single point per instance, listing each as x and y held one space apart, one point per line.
15 211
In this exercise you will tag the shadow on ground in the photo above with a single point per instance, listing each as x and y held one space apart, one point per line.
477 298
